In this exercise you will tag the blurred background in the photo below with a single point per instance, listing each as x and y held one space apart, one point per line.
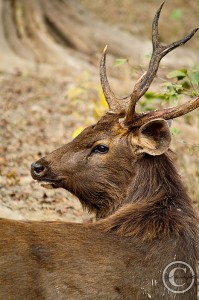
49 86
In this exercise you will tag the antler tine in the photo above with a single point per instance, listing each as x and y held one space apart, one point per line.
155 34
159 51
166 113
108 93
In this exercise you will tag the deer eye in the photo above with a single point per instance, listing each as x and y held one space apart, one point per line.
100 149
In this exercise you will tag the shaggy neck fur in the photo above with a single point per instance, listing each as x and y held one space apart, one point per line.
157 175
157 204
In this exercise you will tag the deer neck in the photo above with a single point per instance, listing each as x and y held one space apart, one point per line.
157 175
157 205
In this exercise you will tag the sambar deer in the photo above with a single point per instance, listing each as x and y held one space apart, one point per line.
143 245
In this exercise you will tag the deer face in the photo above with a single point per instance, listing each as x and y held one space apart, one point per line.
97 166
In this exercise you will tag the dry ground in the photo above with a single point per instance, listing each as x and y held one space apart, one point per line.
38 113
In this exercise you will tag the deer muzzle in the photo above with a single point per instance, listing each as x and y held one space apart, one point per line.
37 170
41 173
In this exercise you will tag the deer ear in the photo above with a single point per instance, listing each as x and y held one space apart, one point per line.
154 137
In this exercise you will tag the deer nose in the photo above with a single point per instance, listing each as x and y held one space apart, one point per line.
38 170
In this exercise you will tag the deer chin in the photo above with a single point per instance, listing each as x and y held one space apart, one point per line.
49 185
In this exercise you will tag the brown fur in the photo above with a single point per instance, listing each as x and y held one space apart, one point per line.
148 223
99 181
160 206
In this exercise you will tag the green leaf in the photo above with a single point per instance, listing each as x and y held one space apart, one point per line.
150 95
196 77
178 88
153 95
167 84
176 14
179 74
194 93
194 68
120 61
175 131
186 85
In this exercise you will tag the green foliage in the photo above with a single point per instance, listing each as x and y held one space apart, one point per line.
150 101
120 61
180 82
179 74
184 82
176 14
175 131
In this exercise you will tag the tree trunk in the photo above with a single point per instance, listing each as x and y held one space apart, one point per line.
62 32
59 31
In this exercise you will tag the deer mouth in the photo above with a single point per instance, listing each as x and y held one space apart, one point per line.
41 174
48 184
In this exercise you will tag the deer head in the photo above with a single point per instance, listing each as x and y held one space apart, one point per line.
100 165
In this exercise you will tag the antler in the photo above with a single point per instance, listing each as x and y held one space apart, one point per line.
115 104
132 119
166 113
144 82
